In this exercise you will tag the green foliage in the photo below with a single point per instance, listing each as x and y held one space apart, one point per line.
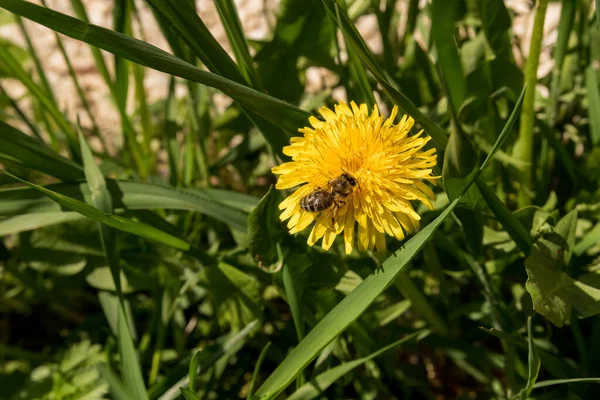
147 260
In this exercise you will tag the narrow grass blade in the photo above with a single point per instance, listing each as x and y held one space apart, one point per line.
318 385
357 302
259 362
280 113
237 40
23 150
124 224
593 94
553 382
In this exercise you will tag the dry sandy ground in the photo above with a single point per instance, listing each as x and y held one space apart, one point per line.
258 18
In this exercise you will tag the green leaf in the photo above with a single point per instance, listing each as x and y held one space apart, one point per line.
276 111
324 380
124 224
264 229
550 288
235 295
18 148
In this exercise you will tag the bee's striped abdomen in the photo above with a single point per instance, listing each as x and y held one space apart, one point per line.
316 201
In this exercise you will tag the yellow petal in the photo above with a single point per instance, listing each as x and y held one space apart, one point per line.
328 239
349 230
305 220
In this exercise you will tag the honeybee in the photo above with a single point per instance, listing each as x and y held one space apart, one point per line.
335 194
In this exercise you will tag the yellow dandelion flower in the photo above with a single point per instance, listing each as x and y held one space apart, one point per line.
356 169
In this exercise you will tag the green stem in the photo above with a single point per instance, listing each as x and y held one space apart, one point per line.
523 149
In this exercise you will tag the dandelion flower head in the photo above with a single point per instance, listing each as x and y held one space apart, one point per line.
389 165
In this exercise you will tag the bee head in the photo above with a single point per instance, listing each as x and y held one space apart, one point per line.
349 179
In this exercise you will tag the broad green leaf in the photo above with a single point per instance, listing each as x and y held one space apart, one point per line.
276 111
115 221
23 150
264 230
324 380
235 295
549 286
